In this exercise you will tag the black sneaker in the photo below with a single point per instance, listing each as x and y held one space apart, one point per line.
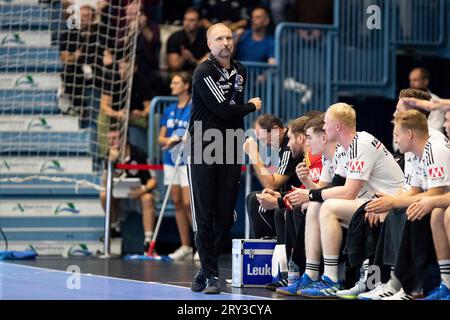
115 233
146 247
274 285
199 282
212 286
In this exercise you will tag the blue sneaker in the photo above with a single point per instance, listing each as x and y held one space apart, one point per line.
326 288
439 293
446 298
301 283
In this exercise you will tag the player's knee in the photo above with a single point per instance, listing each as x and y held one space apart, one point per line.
447 219
437 219
327 210
147 199
103 196
187 206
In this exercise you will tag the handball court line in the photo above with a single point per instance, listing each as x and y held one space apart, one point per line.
20 282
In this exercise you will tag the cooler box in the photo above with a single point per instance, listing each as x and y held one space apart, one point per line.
252 262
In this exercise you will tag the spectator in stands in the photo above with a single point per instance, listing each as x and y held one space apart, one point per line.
141 199
113 104
147 47
78 53
173 127
187 48
419 78
232 13
256 44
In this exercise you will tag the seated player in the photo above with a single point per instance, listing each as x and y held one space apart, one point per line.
141 199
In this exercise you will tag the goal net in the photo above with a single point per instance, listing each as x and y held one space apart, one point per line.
66 69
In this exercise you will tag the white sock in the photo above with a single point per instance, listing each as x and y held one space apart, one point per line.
364 270
312 269
444 267
148 236
331 267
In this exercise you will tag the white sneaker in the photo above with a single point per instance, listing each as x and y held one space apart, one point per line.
352 293
196 257
401 295
182 253
381 290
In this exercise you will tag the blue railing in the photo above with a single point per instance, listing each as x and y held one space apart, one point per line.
157 106
362 55
262 81
304 53
418 22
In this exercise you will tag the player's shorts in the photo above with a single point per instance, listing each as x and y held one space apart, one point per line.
180 178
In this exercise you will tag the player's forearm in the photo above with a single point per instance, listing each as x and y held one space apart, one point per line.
264 176
309 184
442 201
409 197
341 192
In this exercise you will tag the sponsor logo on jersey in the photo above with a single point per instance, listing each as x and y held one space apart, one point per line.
356 166
314 174
436 173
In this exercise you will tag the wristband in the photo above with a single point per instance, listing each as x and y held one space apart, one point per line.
315 195
281 203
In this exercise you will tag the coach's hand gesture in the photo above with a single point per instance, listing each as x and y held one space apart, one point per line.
257 102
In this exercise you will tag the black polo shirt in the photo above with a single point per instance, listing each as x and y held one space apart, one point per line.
180 39
137 156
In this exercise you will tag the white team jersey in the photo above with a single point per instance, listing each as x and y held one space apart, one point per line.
369 160
337 165
432 170
408 168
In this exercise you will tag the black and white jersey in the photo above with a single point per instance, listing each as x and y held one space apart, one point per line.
432 170
287 164
409 156
336 165
218 100
369 160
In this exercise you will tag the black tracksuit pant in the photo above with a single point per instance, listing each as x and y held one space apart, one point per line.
262 223
214 189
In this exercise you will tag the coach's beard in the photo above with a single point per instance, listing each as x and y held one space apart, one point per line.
225 53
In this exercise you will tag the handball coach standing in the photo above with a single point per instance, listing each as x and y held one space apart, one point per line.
218 104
